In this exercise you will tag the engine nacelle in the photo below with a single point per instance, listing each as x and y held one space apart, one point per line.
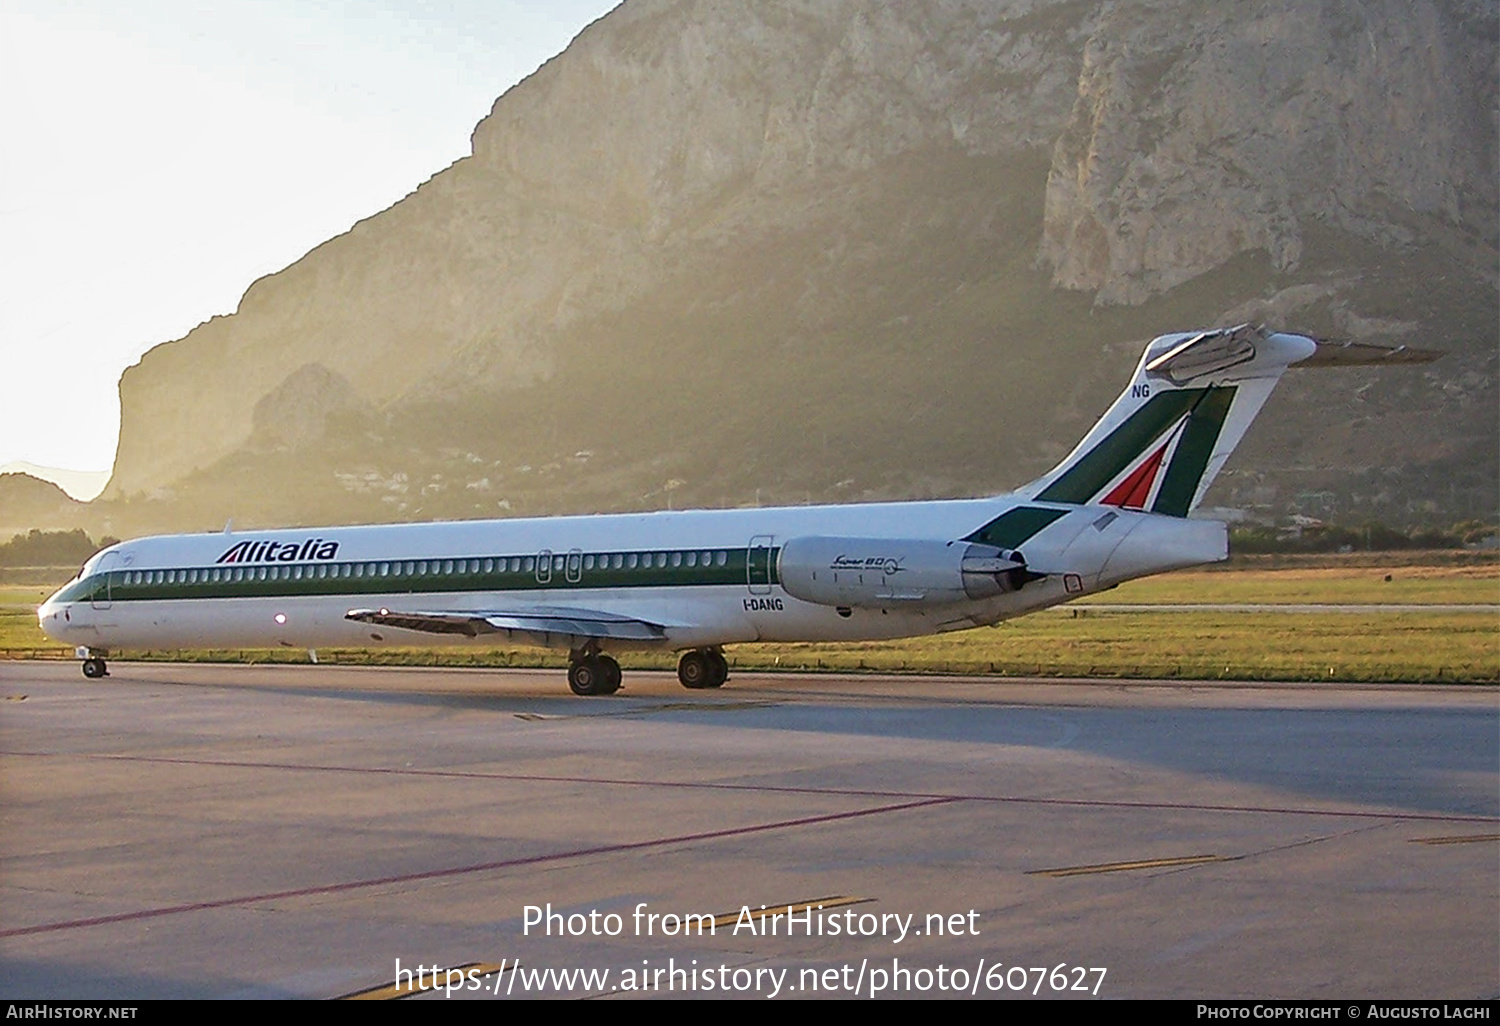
889 572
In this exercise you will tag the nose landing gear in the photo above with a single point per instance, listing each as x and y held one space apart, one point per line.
94 666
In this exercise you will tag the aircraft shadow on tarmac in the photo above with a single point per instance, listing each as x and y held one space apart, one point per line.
1419 758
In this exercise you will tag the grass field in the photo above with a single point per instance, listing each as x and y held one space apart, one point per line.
1273 645
1399 585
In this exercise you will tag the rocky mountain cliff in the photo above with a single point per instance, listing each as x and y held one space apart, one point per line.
720 253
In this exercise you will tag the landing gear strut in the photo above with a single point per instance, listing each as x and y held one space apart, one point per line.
592 673
702 668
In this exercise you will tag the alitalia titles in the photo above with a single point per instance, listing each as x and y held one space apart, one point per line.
282 552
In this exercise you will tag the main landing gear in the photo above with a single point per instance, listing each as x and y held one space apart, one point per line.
702 668
593 673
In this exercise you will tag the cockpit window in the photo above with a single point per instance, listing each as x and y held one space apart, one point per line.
89 565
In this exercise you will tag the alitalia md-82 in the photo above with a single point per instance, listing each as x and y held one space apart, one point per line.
694 581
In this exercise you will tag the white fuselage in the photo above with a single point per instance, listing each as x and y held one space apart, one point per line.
707 577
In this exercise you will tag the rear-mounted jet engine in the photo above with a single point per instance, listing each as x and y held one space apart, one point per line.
864 572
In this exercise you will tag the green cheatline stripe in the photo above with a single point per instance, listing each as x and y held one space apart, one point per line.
1015 527
1106 461
1204 423
736 571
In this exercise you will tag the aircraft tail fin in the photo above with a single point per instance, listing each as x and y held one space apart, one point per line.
1190 401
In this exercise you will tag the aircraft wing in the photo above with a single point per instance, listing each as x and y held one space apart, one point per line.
549 625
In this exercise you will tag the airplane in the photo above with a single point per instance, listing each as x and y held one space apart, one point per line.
1116 508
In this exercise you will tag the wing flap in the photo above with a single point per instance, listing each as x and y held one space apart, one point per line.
550 624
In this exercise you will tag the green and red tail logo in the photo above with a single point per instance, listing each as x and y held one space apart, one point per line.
1154 460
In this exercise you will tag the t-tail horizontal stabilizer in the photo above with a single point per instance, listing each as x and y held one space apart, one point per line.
1190 401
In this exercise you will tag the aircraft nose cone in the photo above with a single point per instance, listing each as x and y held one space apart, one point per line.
54 619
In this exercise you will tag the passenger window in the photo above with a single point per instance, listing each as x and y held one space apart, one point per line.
588 562
489 566
720 558
676 559
632 560
692 559
530 563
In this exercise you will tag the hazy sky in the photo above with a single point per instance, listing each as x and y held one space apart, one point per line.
158 156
